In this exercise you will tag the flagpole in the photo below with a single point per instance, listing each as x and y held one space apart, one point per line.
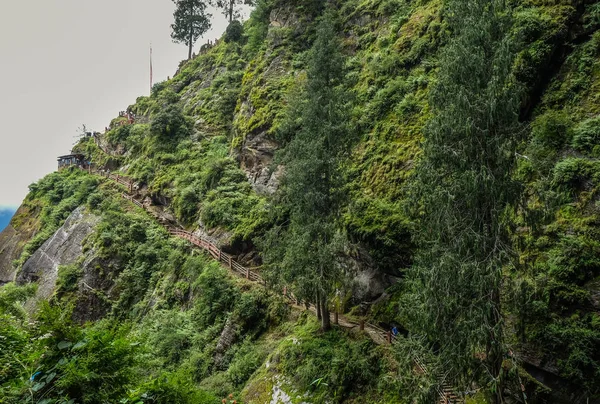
151 69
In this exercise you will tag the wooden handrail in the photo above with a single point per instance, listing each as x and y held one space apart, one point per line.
228 261
216 252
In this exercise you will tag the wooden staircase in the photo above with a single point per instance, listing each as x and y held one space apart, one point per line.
447 394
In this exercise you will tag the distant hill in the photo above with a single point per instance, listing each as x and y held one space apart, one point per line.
5 215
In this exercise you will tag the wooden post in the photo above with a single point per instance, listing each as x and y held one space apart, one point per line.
335 317
230 266
362 324
389 337
247 273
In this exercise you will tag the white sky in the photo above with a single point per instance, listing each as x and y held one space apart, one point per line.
70 62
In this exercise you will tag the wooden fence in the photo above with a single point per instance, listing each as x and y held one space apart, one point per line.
376 333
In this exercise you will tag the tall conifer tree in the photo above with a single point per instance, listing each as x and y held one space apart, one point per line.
462 190
304 252
231 8
191 22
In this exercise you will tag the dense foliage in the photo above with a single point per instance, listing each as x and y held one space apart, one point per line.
177 327
191 22
440 93
462 190
312 188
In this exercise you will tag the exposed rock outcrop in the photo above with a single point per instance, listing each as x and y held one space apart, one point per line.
369 283
63 248
226 340
95 286
256 157
12 240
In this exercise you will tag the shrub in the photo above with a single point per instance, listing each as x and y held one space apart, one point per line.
551 132
587 134
170 335
170 388
87 365
327 366
216 295
575 259
119 134
246 361
170 124
552 129
11 296
186 204
157 88
234 32
68 278
95 199
14 345
574 172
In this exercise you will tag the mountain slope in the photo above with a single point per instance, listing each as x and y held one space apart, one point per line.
203 152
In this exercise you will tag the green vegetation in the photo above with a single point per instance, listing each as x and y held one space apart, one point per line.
463 187
230 8
165 312
313 185
55 197
191 22
445 117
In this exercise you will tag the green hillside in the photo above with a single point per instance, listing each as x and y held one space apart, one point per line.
458 143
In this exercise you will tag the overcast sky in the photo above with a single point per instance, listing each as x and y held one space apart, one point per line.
65 63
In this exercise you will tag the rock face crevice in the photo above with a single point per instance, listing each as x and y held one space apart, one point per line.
63 248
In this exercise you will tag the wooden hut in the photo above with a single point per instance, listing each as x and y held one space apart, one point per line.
70 160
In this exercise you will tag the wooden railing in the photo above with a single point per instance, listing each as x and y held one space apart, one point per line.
132 200
446 394
224 258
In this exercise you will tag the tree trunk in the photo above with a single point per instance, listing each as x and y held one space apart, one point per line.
191 43
495 349
325 321
318 304
231 11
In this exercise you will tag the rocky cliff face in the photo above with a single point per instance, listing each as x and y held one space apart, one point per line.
216 177
12 240
63 248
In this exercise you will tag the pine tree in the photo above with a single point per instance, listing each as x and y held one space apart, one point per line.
304 251
191 22
230 8
462 191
